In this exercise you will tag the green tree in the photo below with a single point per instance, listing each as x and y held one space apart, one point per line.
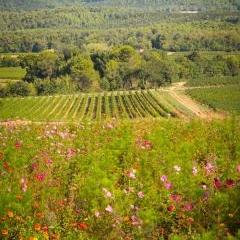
83 72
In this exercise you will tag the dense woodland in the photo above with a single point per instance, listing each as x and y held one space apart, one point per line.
39 25
165 5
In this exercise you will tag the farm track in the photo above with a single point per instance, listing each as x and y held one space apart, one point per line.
177 92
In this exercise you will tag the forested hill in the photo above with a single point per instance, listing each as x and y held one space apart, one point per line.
165 5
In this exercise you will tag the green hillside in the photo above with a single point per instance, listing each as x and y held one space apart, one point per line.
15 5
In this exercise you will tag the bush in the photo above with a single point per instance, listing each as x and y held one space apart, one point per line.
19 88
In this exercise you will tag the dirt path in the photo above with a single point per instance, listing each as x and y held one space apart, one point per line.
177 92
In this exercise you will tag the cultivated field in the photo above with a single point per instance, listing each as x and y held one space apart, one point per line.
225 98
16 73
98 106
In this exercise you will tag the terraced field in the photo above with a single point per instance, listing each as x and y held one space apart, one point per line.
94 106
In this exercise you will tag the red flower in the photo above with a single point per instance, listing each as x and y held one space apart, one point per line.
83 226
6 164
217 183
17 145
229 182
171 208
1 155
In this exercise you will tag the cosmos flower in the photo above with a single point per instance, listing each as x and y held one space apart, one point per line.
140 194
109 209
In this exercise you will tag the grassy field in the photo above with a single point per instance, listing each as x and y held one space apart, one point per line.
140 179
94 106
225 98
12 73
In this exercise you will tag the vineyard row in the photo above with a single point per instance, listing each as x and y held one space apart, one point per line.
94 106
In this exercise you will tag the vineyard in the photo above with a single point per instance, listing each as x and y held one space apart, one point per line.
93 106
213 81
225 98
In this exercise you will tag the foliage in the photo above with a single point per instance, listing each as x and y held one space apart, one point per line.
18 88
130 180
42 65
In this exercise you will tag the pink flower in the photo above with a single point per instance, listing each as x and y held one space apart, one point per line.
130 190
131 174
194 171
147 144
238 168
176 198
109 209
24 187
168 185
107 193
163 178
217 183
40 176
140 194
35 166
97 214
22 180
135 208
188 208
203 185
136 220
209 168
17 145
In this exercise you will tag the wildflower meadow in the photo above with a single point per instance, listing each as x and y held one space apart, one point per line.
143 179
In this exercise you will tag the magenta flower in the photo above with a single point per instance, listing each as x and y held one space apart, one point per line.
109 209
140 194
188 208
40 176
17 145
35 166
163 178
168 185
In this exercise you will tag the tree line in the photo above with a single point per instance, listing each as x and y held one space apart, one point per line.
121 68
